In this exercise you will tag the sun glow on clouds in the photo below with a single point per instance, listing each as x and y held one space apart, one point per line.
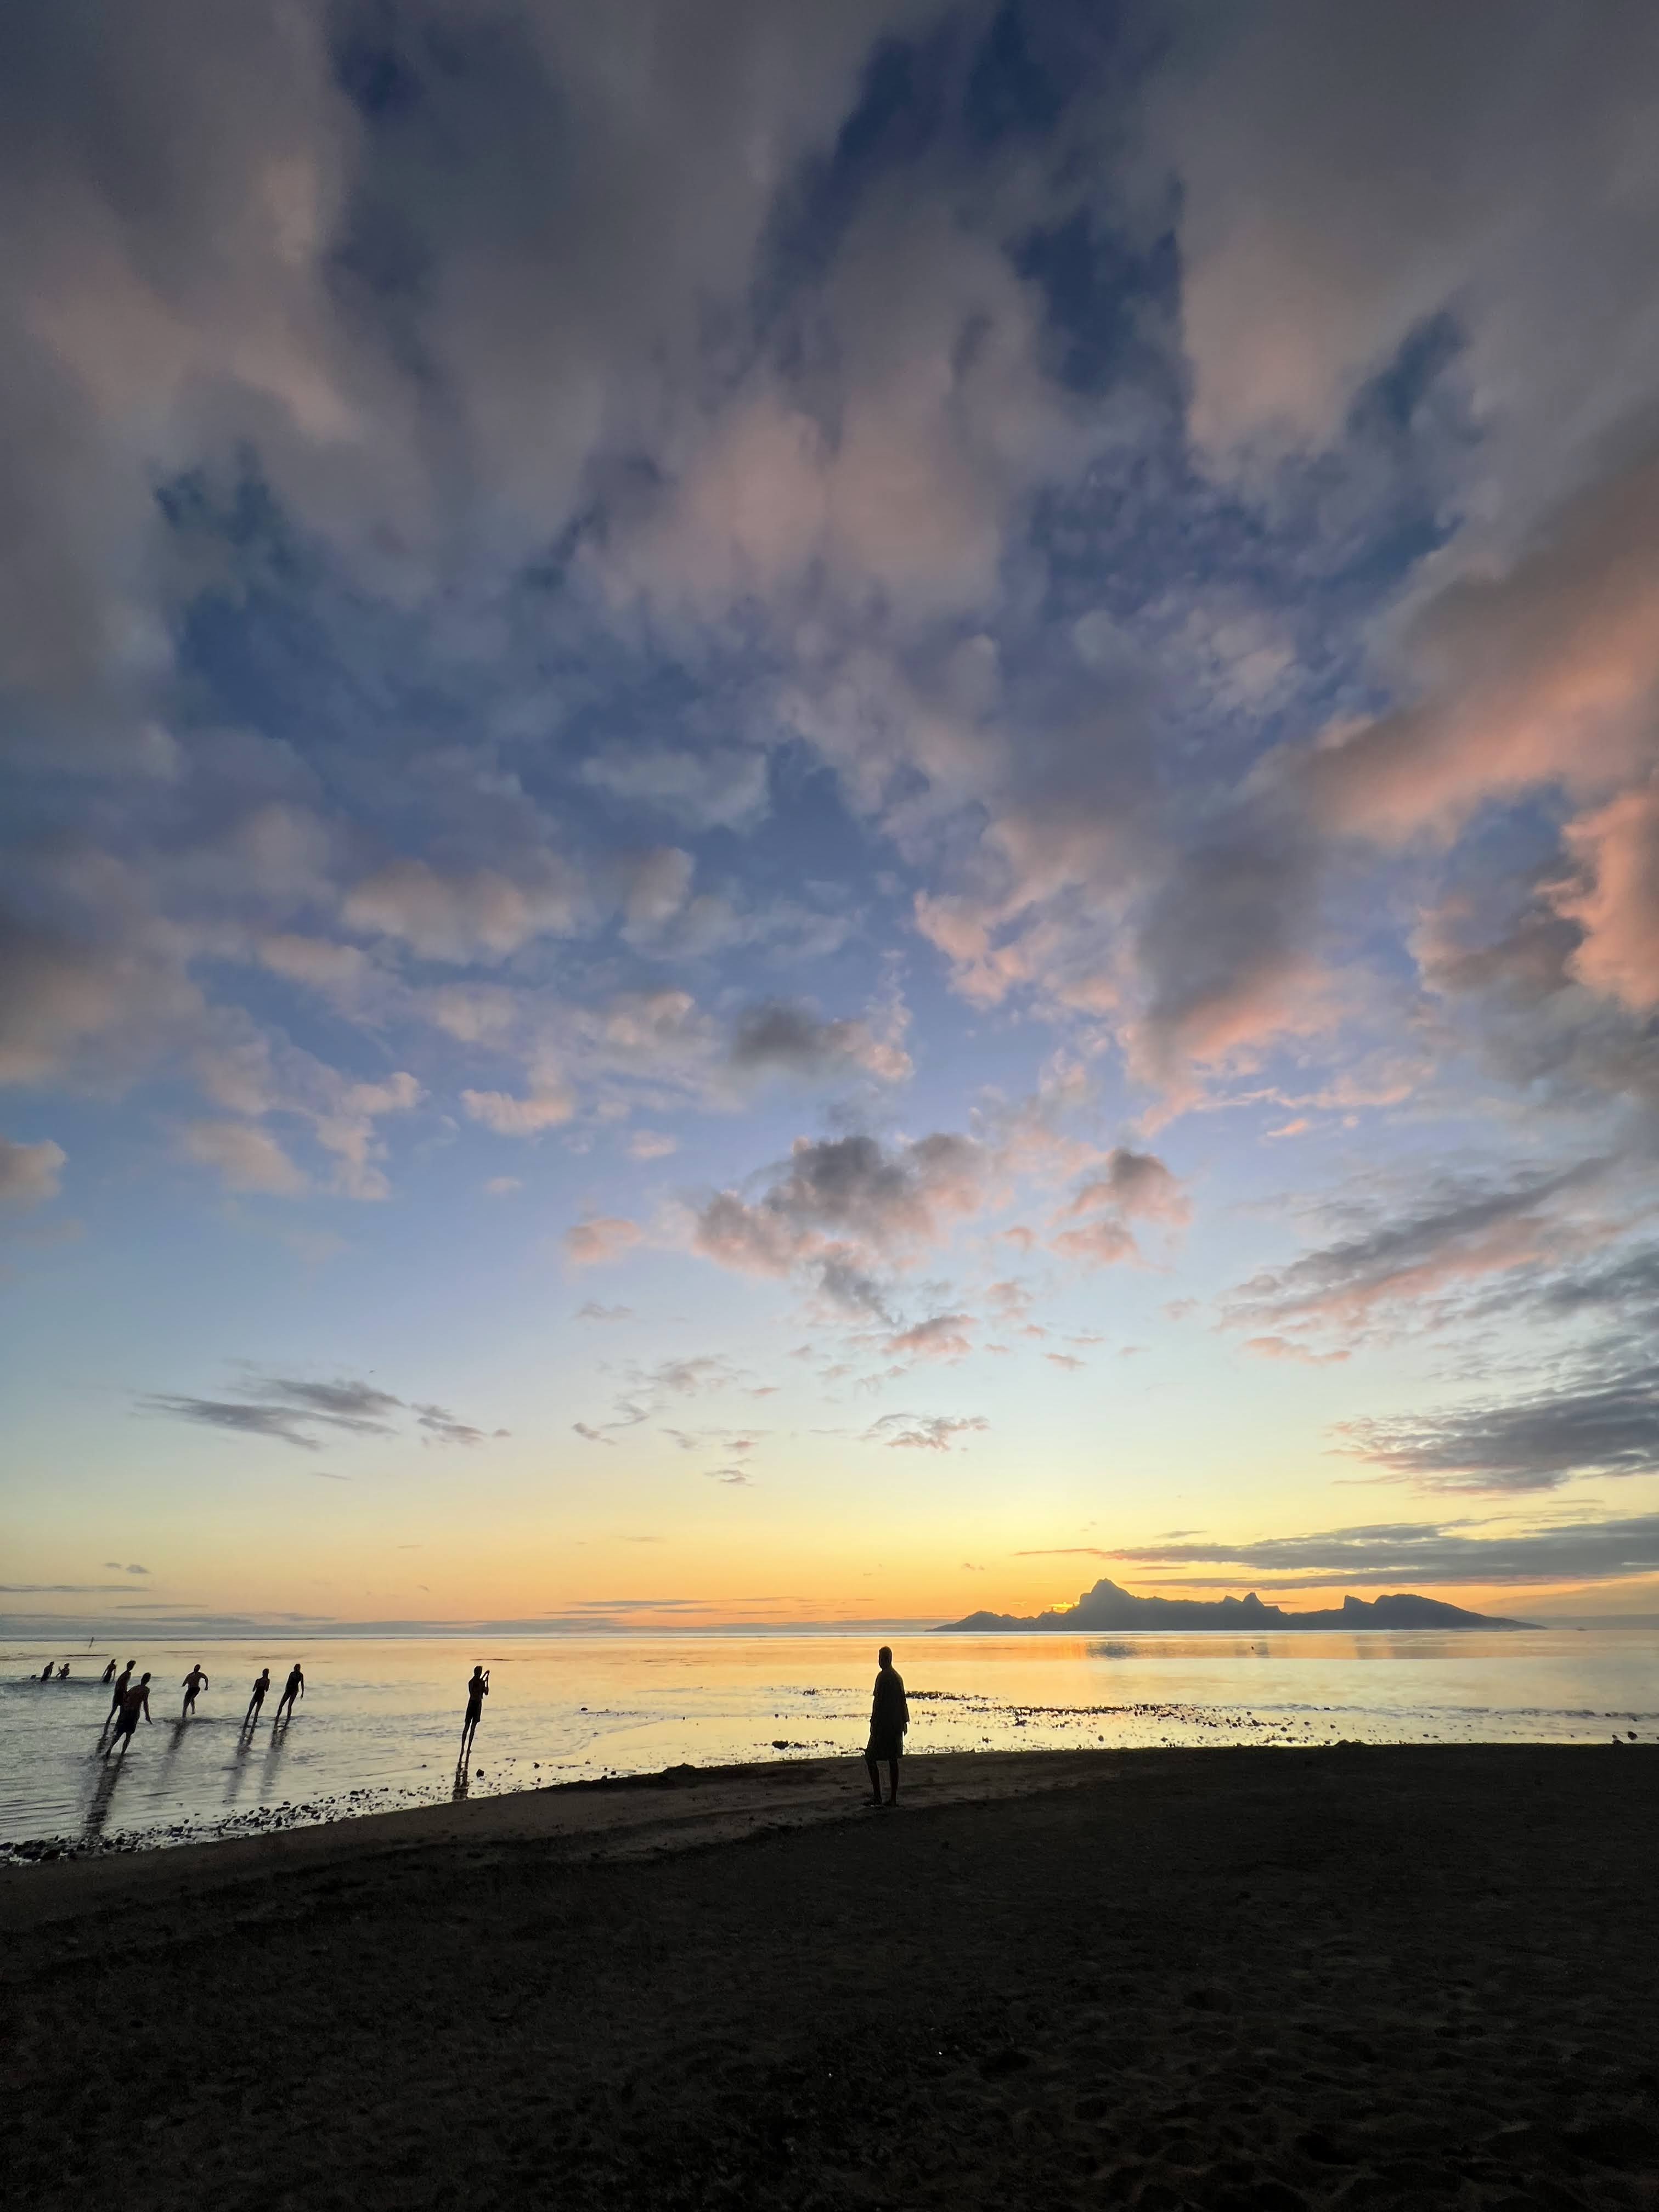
964 694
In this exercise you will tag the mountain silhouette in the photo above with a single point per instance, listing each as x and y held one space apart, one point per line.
1107 1607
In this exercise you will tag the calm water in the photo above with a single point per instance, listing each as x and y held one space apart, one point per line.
380 1723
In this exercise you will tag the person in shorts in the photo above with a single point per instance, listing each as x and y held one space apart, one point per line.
294 1687
890 1716
135 1701
193 1684
118 1691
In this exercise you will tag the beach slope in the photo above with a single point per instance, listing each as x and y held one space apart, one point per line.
1222 1978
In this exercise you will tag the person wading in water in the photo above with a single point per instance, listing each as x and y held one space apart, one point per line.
889 1715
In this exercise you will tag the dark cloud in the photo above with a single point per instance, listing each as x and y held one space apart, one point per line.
343 1404
782 1038
1411 1552
1596 1424
115 1567
441 1426
1459 1233
287 1407
281 1422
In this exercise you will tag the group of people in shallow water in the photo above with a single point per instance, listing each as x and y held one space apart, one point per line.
890 1711
129 1700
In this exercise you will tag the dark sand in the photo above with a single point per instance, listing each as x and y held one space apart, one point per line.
1415 1977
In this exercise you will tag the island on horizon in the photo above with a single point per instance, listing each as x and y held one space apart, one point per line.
1107 1606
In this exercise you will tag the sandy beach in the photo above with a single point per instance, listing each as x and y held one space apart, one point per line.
1412 1977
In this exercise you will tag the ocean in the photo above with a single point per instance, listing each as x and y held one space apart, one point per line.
378 1726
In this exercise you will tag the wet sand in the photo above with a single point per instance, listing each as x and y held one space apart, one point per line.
1222 1978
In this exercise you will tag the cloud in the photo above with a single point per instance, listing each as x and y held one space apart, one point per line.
1413 1554
287 1407
441 1427
502 1186
247 1158
347 1404
924 1431
115 1567
723 788
479 915
519 1117
1132 1186
591 1310
780 1038
651 1145
1460 1231
842 1202
597 1242
941 1337
29 1172
1594 1423
590 1435
281 1422
1614 899
732 1477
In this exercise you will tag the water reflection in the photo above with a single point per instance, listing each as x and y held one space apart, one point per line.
108 1773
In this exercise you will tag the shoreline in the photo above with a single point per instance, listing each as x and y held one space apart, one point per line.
681 1809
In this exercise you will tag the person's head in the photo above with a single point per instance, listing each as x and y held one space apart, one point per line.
131 1663
142 1679
884 1657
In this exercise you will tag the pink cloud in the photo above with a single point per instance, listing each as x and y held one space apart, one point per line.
1615 899
605 1237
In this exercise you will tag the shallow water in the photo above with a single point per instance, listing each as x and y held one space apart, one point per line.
380 1723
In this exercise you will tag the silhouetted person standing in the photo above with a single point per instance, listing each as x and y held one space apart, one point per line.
193 1684
258 1698
108 1675
889 1715
120 1690
135 1701
294 1687
476 1691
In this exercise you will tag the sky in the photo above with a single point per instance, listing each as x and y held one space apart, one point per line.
827 814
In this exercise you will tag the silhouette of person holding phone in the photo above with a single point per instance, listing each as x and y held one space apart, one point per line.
890 1716
476 1691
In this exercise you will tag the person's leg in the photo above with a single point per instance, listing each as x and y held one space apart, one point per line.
874 1773
892 1782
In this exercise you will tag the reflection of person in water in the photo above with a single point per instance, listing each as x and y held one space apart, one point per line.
294 1687
476 1691
120 1690
890 1716
257 1698
135 1701
193 1684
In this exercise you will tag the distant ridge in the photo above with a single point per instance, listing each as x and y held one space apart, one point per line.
1107 1606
